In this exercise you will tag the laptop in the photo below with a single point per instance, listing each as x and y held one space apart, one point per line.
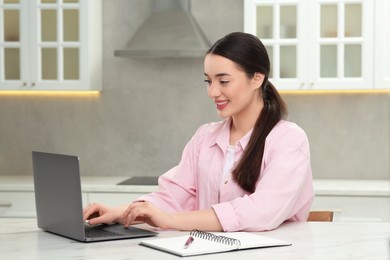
59 205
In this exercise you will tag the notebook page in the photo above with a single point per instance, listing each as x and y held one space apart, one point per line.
199 246
250 240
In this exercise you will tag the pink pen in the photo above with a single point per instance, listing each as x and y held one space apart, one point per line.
188 242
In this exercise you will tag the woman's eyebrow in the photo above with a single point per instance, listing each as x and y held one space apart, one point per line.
219 74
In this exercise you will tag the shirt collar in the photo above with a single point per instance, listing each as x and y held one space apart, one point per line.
222 139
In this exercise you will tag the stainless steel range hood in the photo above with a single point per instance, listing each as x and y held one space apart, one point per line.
169 32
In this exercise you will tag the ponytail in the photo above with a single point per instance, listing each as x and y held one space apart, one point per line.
247 172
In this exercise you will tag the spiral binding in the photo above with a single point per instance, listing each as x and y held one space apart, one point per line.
212 237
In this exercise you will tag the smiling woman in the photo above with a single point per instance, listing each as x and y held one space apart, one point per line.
253 161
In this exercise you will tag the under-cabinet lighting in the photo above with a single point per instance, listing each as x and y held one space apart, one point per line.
320 92
48 93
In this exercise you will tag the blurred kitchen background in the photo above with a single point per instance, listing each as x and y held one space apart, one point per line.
150 108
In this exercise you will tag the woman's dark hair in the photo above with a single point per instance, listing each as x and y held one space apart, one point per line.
249 53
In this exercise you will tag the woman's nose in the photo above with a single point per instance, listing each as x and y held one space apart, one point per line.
213 91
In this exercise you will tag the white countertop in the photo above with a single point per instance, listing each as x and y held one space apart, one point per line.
21 239
108 184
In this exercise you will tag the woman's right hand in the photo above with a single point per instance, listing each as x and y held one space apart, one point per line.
101 214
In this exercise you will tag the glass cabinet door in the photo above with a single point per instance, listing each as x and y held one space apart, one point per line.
57 43
318 44
12 45
50 45
277 24
335 40
343 43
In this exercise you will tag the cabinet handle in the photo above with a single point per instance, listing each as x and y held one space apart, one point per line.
24 84
33 84
6 205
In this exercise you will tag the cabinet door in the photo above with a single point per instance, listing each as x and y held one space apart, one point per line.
17 204
50 45
319 44
281 27
57 44
355 208
13 44
342 36
382 44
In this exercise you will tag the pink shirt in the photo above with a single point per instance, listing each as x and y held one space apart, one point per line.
284 190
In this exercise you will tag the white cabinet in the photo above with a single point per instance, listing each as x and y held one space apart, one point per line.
355 208
17 198
382 44
323 44
281 27
17 204
354 200
21 204
351 200
50 45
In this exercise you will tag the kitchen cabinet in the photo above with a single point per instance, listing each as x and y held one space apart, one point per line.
351 200
17 198
355 208
17 204
354 200
382 44
21 204
50 45
322 44
280 26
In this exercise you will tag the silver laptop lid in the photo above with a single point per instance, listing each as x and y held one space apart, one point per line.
58 194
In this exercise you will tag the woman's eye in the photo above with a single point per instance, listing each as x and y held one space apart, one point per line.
224 82
208 82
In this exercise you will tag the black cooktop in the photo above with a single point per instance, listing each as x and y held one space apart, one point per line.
140 180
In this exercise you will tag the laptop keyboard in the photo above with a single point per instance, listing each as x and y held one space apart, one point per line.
99 232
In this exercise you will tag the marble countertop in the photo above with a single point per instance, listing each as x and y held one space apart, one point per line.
21 239
323 187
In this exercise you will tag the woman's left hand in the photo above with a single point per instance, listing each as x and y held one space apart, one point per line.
144 211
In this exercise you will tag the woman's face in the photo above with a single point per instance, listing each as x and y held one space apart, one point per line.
233 93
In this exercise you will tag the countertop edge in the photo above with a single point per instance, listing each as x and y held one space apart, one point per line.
94 184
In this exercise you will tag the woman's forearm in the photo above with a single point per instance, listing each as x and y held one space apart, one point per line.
202 220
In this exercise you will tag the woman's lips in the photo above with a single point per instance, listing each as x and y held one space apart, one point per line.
221 104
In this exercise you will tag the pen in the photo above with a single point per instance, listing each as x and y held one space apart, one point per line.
188 242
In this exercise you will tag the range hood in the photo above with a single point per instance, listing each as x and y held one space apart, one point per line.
169 32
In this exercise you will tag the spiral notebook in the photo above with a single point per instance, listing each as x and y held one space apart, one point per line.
208 243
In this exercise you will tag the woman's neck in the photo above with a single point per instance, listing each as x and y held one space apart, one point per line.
244 122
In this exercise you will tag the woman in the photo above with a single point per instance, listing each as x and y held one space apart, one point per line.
250 172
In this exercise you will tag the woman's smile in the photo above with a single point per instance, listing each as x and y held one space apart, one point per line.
221 104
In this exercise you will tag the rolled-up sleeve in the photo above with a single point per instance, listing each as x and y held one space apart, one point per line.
284 191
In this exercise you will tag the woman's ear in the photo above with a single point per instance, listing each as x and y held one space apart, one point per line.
258 79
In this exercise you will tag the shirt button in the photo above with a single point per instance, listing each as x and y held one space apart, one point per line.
226 181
